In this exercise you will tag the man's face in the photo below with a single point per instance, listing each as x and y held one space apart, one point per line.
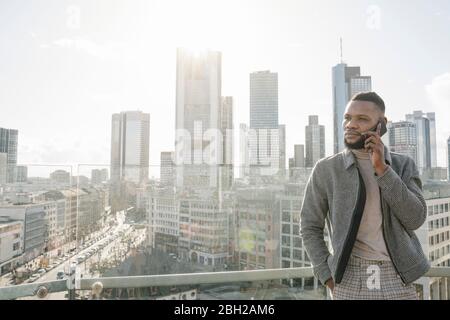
359 117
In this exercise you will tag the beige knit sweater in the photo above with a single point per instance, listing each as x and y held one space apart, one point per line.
370 242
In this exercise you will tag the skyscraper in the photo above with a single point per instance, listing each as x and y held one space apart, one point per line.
263 100
8 145
3 167
448 158
226 127
403 138
130 133
266 137
198 148
347 81
291 166
21 174
167 169
244 160
299 156
426 138
282 142
314 141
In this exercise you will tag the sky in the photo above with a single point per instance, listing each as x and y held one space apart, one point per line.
67 66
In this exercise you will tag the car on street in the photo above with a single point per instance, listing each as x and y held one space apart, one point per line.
34 277
41 271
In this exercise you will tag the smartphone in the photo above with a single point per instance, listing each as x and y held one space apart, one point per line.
383 129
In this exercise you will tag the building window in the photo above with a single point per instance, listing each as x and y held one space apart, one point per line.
296 230
286 240
297 242
286 252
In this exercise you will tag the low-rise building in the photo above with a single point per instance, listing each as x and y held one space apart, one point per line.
11 242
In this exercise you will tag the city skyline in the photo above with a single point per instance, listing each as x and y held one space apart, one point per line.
72 57
170 137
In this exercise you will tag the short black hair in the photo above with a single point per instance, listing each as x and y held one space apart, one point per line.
371 97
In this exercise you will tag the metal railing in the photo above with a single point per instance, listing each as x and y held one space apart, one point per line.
41 289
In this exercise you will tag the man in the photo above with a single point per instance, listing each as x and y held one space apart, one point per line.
371 200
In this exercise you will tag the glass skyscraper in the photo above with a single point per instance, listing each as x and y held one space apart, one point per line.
130 135
266 137
264 100
198 149
314 141
347 81
8 145
426 138
448 159
403 138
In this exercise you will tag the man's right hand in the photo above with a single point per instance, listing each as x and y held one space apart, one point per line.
330 284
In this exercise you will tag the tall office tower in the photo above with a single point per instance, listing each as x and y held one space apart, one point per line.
21 174
130 133
282 141
244 160
3 167
314 141
8 144
267 152
448 158
426 138
433 147
198 148
226 127
263 100
299 156
403 138
347 81
167 169
291 164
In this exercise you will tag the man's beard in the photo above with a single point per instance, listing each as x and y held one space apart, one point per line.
356 145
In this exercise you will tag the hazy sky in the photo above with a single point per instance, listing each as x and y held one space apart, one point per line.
66 66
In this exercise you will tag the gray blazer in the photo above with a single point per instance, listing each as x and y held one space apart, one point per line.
331 196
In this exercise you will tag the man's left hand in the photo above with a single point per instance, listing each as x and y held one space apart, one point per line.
375 147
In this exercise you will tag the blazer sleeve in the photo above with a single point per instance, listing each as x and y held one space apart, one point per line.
312 222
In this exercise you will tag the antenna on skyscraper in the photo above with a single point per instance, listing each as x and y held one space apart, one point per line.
340 42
